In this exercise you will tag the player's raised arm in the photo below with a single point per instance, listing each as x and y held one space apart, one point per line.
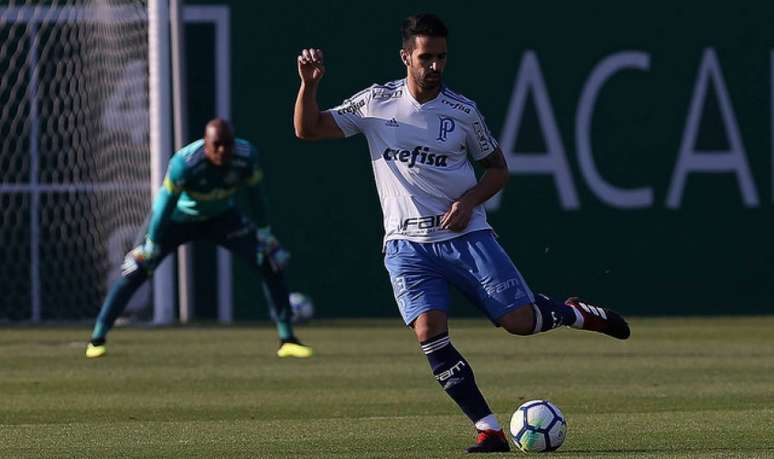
309 122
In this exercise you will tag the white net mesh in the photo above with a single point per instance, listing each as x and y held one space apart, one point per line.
74 154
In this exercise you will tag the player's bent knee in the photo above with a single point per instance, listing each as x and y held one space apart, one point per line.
519 322
429 325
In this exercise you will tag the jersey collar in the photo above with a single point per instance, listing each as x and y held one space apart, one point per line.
415 103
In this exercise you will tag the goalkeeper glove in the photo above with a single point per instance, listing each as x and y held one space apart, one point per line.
269 249
143 255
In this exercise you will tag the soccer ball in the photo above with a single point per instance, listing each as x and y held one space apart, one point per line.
302 306
538 426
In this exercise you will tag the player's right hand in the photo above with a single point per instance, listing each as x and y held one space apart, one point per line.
147 251
144 255
311 66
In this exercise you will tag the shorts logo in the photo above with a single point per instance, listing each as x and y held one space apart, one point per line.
446 126
399 286
419 155
503 286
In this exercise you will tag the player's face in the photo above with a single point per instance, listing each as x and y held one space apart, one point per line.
218 146
426 61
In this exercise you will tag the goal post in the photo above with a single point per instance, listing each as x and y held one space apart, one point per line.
164 287
85 134
76 137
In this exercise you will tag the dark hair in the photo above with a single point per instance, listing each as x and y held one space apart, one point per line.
425 24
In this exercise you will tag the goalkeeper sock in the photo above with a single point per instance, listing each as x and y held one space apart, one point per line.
278 299
549 314
285 330
453 373
115 303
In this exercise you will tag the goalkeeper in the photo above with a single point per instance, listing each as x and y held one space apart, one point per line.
197 201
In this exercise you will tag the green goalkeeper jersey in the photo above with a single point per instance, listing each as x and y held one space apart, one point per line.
194 189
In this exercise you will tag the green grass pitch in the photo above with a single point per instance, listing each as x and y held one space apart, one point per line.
680 387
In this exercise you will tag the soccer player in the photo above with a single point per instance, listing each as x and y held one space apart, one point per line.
197 202
421 135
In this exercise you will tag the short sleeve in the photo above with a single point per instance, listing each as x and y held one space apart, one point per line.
478 139
351 114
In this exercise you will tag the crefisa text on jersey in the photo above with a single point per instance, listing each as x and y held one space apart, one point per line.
420 155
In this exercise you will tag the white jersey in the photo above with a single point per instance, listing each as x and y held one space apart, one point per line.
419 153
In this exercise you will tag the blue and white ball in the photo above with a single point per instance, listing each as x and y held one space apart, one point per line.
302 306
538 426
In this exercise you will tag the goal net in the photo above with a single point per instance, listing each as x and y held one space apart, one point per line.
74 152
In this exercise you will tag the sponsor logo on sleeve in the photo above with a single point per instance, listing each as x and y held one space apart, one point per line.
481 135
352 107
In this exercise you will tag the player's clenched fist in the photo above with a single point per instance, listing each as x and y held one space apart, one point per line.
310 65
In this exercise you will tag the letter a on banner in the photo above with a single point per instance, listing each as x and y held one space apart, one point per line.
692 160
554 161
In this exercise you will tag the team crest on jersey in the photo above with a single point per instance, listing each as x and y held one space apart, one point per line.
216 194
445 127
231 177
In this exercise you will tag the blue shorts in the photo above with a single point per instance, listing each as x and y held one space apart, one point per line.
474 263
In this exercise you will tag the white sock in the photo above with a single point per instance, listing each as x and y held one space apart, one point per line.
488 423
538 320
578 319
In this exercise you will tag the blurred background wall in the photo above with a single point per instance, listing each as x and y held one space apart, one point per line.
639 138
609 94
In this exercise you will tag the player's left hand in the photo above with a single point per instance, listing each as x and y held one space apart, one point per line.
458 216
269 249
